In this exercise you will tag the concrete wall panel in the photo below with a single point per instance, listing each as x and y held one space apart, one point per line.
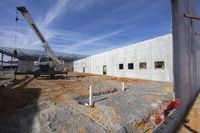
157 49
186 61
185 46
25 66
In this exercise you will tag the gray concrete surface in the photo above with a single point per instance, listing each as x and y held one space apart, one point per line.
156 49
186 63
186 53
131 105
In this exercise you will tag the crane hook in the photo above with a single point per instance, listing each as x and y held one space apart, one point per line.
16 18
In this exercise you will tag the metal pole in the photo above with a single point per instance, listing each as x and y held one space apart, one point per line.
192 16
1 62
196 33
11 62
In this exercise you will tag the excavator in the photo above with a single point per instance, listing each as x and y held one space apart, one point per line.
49 64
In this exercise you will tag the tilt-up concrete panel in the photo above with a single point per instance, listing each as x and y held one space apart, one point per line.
149 51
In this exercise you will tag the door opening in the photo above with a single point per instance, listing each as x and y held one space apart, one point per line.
104 70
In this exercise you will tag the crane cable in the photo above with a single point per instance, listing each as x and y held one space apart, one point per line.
16 30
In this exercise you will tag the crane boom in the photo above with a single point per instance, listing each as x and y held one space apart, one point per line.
25 13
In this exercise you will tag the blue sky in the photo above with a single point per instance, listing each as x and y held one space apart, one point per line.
85 26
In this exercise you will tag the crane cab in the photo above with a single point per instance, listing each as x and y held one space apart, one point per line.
46 67
46 61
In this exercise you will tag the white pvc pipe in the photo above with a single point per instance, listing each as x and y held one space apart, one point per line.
174 97
90 96
123 87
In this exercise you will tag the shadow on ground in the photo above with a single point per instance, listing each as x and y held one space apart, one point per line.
57 77
12 120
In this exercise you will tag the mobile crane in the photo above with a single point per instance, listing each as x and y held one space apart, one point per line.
49 64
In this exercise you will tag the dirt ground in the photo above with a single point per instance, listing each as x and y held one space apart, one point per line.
192 124
72 90
53 89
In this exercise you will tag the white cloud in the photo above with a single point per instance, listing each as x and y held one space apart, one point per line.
67 41
62 5
95 39
23 40
74 41
55 11
25 36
